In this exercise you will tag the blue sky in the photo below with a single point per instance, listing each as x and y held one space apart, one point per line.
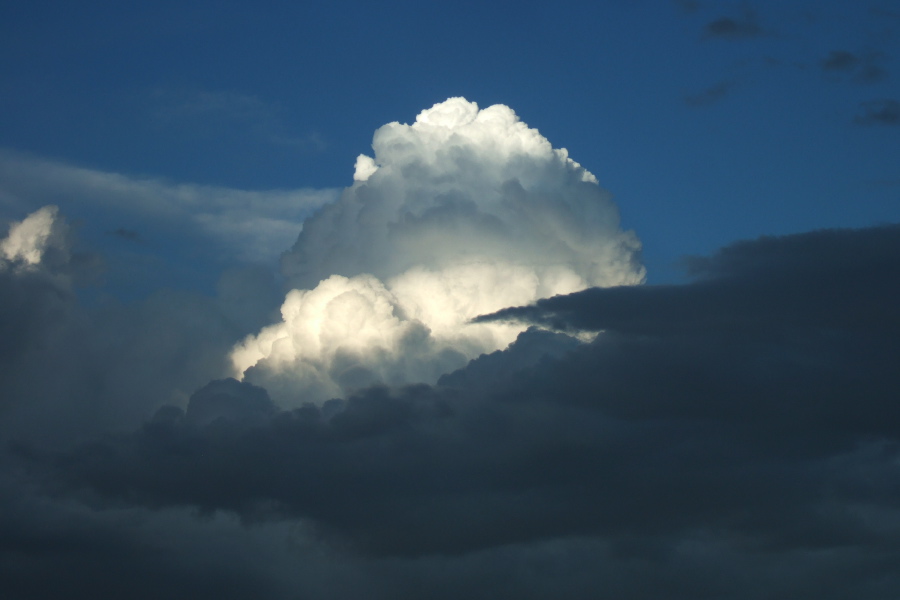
708 121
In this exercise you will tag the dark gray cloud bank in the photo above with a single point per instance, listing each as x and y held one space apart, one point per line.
737 436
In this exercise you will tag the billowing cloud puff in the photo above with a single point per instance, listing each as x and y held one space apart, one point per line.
464 212
28 240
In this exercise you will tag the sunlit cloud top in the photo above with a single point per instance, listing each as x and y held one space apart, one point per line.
461 213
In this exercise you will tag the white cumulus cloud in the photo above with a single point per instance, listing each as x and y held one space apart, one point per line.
29 239
464 212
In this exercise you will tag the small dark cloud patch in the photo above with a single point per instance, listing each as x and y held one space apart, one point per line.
879 112
864 68
840 60
710 95
735 28
871 71
130 235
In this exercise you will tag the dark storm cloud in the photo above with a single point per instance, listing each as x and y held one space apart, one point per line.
65 550
710 95
768 283
734 28
753 408
879 112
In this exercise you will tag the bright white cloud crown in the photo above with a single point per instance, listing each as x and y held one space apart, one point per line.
464 212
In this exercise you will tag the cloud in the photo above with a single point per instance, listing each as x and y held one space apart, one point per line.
734 28
250 226
43 245
69 368
28 241
710 95
748 413
879 112
463 212
736 436
35 291
840 60
224 399
864 68
125 553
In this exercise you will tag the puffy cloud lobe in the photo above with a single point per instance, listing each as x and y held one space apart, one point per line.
28 240
463 183
463 212
344 334
759 428
230 400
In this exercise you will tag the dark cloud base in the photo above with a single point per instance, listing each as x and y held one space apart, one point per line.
734 437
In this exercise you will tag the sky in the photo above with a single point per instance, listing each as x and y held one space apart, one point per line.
392 300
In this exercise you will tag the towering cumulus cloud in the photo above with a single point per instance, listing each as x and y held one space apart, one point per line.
462 213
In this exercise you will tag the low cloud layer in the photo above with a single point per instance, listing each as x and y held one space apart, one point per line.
70 368
463 212
247 226
749 414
